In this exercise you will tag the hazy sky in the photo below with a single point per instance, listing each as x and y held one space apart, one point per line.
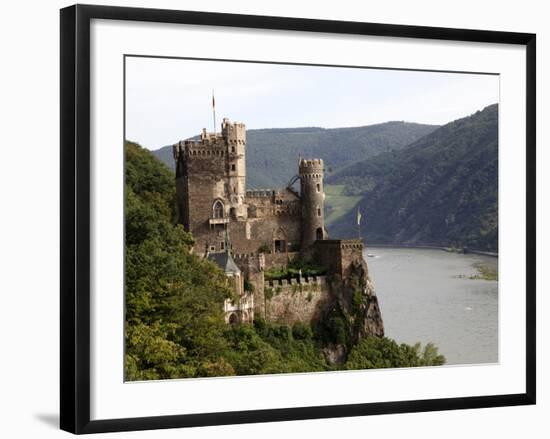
171 99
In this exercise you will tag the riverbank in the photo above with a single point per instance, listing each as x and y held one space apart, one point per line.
485 272
433 247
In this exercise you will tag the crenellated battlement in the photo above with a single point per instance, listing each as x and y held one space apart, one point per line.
311 166
261 193
234 133
341 244
304 280
243 256
201 148
220 144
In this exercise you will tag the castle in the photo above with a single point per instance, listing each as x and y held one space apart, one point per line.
250 232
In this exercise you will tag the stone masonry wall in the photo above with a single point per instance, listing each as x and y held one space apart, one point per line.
247 236
337 255
296 300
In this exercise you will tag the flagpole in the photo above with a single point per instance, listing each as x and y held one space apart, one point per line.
358 223
214 110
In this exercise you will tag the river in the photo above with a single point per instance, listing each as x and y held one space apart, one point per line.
427 296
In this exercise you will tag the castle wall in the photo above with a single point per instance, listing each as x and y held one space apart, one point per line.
279 259
252 266
338 255
294 301
248 236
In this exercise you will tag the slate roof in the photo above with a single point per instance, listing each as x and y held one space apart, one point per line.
225 261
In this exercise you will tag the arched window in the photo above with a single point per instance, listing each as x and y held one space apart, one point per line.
218 209
319 234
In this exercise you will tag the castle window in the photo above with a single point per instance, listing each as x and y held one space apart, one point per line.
318 211
232 149
218 209
319 234
318 187
222 245
280 246
232 167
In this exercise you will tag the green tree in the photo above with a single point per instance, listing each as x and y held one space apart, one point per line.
382 352
174 300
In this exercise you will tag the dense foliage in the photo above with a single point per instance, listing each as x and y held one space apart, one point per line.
378 353
273 154
174 301
174 321
442 189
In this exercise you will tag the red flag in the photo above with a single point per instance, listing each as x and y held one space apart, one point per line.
213 101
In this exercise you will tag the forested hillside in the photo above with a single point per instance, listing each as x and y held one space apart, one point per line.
272 154
442 189
174 300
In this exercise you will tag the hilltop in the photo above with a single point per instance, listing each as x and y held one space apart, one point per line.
442 189
273 154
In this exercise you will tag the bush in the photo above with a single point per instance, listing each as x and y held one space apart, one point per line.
302 331
376 353
333 328
249 286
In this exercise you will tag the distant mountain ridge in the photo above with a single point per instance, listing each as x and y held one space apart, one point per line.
273 153
442 189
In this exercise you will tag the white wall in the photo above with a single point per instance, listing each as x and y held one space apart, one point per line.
29 217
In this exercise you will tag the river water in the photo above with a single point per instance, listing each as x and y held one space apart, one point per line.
426 295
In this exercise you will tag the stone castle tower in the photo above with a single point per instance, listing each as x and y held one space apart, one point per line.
313 199
234 135
211 183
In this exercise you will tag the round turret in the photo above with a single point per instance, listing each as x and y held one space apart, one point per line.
313 199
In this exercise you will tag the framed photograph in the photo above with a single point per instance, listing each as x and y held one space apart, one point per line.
273 218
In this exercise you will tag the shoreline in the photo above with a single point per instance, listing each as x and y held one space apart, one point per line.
433 247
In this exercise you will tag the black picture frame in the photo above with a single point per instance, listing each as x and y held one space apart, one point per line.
75 217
